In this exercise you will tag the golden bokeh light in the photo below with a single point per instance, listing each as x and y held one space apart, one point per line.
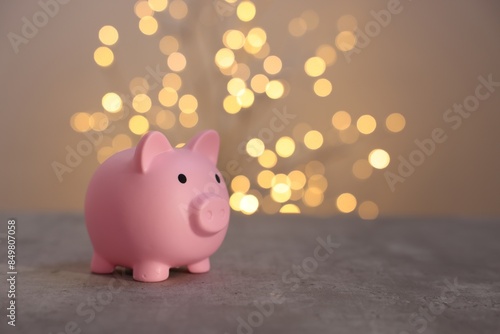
141 103
158 5
368 210
188 103
366 124
327 53
341 120
236 86
242 71
257 37
280 194
362 169
315 66
104 153
322 87
347 23
313 197
167 96
108 35
249 204
169 45
285 146
138 85
188 120
265 179
178 9
297 179
297 27
313 140
318 181
176 61
142 9
172 80
297 194
346 202
255 147
311 18
259 83
234 201
275 89
281 181
138 124
379 158
263 52
233 39
246 11
289 208
98 121
148 25
103 56
165 119
272 65
240 183
121 142
245 98
231 105
231 70
395 122
80 122
112 102
314 167
224 58
345 41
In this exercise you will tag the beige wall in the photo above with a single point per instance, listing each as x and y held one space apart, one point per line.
428 58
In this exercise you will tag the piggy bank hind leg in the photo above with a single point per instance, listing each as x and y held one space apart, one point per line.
150 271
202 266
101 266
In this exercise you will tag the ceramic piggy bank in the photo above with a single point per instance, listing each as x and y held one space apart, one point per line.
154 207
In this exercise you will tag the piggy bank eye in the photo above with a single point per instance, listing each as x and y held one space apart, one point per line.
217 178
182 178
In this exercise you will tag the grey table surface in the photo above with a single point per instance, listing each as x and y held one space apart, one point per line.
270 276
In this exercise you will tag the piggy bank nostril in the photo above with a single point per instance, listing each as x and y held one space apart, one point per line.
209 214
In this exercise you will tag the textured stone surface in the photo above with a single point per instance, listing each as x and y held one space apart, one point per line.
387 276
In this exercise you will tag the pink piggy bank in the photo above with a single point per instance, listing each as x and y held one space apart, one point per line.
154 207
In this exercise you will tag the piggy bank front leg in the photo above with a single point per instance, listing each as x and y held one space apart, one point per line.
99 265
150 271
202 266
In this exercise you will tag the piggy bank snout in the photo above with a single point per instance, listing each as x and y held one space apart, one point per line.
210 213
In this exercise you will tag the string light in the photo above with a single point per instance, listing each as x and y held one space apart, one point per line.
244 52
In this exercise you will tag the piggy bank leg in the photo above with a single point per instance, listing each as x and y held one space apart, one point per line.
150 272
100 266
199 267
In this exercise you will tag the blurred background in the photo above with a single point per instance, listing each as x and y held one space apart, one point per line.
324 107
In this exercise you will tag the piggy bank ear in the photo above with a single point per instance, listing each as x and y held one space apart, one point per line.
206 143
152 144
